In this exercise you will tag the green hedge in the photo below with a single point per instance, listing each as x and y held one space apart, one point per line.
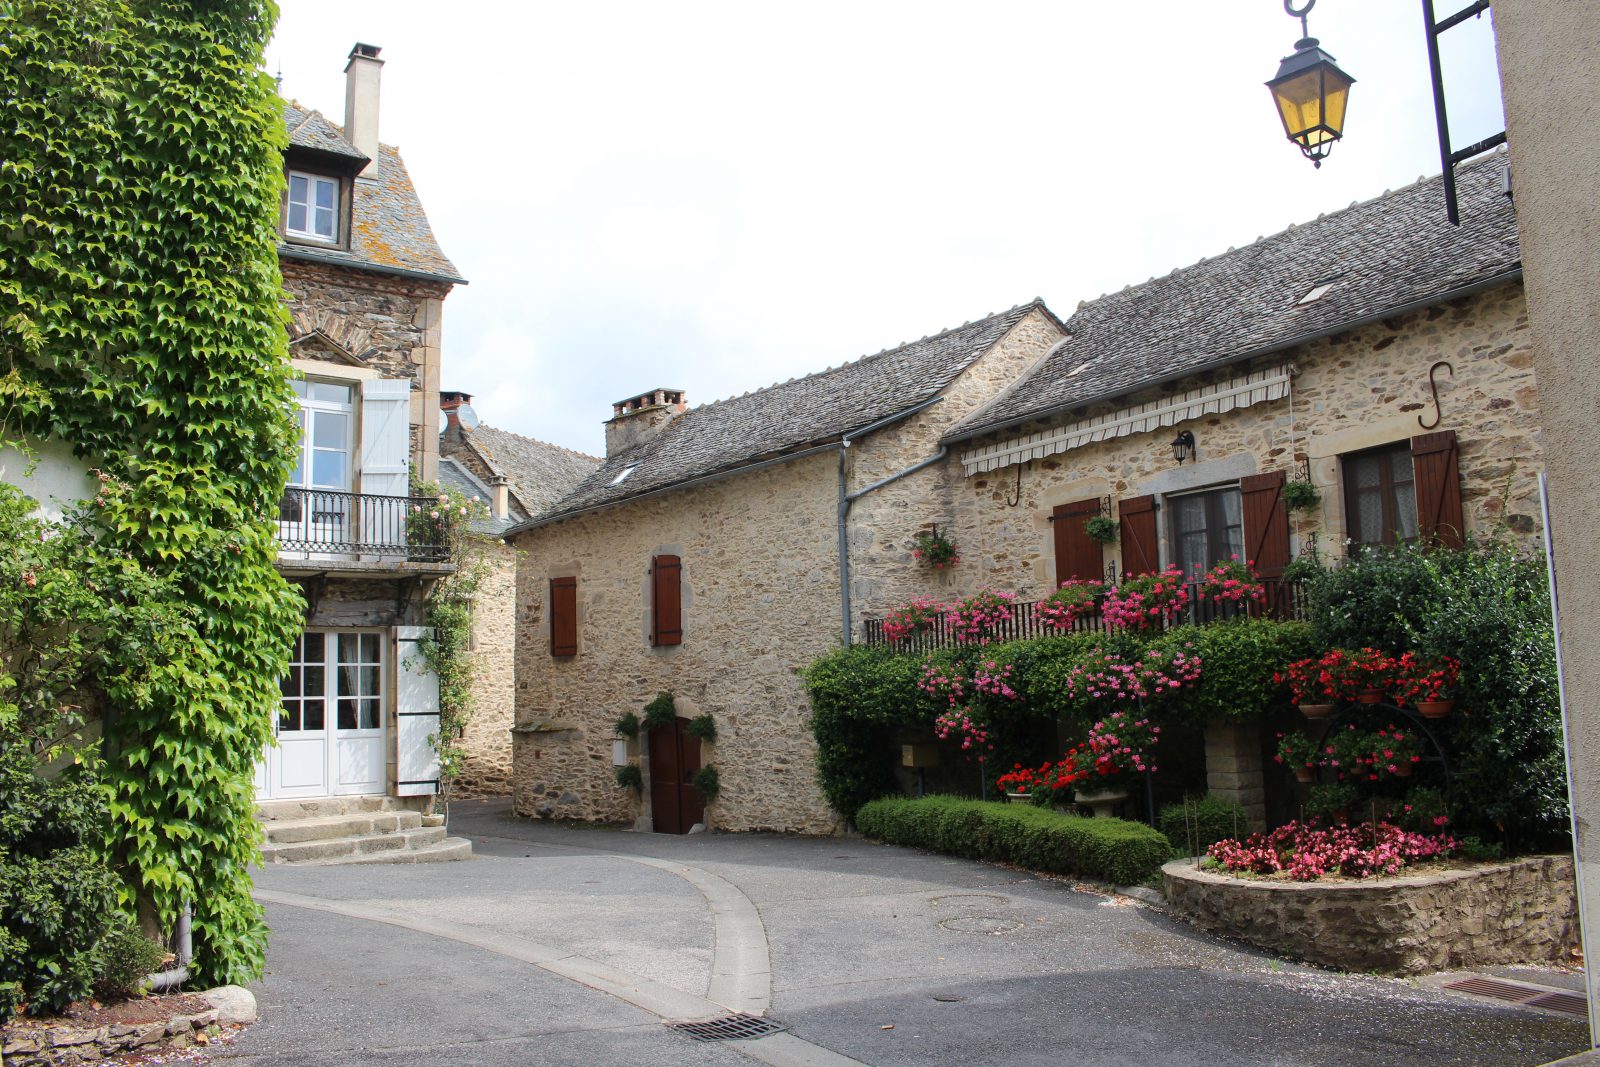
1106 850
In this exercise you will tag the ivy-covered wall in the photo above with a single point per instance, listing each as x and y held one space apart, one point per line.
140 321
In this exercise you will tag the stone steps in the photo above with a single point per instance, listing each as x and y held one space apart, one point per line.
354 830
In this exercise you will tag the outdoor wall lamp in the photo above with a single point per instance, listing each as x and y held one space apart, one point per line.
1311 92
1183 446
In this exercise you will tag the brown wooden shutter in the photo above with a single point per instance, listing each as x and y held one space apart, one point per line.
1077 554
563 616
1436 462
666 614
1266 522
1141 546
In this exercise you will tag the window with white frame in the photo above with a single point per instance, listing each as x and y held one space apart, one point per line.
313 207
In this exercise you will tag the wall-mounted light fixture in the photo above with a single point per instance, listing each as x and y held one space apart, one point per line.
1183 446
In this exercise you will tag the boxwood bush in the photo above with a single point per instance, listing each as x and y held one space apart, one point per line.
1105 850
1196 823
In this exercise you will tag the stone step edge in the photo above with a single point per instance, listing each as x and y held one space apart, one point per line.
360 845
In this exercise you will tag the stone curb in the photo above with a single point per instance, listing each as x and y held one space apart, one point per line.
55 1046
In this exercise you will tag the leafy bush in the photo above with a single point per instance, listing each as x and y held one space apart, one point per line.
1239 658
629 776
1197 823
659 712
860 698
57 896
127 958
707 782
626 726
1106 850
704 727
1487 605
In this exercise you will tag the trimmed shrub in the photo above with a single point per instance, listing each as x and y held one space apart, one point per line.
860 698
127 958
1238 660
629 776
1197 823
704 727
1106 850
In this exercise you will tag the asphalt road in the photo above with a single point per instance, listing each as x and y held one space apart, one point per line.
560 946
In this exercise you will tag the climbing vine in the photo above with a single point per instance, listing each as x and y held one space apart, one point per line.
141 323
450 607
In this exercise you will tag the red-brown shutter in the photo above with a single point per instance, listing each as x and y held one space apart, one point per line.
1266 522
666 601
563 616
1141 547
1437 468
1077 554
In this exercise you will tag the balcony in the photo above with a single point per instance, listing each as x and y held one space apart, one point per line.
327 525
1283 600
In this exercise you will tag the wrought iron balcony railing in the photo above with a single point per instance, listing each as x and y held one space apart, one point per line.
1283 600
328 523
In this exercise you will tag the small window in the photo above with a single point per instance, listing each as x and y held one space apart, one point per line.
1380 495
622 475
1317 293
313 207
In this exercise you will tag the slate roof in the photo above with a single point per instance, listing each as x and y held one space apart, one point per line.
389 230
454 475
541 474
1381 255
723 436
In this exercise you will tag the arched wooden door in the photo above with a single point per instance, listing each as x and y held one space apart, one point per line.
675 805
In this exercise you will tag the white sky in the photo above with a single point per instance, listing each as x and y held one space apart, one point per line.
715 196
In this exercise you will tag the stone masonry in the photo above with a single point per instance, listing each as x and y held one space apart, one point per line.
486 769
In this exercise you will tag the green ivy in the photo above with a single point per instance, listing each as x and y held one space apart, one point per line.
627 725
659 712
629 776
704 727
707 782
141 322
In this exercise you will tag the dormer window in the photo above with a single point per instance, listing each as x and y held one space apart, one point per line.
313 207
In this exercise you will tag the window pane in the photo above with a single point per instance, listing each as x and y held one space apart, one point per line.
347 715
324 217
299 386
314 716
297 217
1367 522
327 469
349 680
316 680
297 190
1405 511
330 393
1400 465
369 681
289 716
290 684
1366 472
1232 507
348 646
325 194
371 715
369 648
330 429
312 648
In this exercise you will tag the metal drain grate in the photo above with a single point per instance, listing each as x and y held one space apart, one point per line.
736 1027
1522 994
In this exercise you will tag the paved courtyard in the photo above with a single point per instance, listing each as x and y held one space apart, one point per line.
559 946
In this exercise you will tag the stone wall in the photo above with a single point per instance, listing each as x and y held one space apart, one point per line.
1355 390
760 601
29 1043
486 769
391 324
1519 912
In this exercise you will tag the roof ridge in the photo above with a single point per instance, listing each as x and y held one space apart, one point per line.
902 346
536 441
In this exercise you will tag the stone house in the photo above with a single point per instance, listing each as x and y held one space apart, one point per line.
708 557
517 478
1379 353
366 282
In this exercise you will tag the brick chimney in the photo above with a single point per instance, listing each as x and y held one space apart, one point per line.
451 402
641 417
361 77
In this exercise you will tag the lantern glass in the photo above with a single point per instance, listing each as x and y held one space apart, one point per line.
1311 94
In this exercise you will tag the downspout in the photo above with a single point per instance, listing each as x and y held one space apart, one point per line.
847 498
162 981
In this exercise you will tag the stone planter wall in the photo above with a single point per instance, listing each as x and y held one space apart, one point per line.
1519 912
63 1044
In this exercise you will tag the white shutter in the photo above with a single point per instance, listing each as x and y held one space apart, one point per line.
386 437
416 715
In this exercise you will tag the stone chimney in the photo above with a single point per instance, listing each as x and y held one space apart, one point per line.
641 417
500 501
361 77
457 408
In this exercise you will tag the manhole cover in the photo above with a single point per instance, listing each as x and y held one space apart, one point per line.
980 924
969 899
1515 993
736 1027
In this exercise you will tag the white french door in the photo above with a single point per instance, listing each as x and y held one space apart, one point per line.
315 514
331 722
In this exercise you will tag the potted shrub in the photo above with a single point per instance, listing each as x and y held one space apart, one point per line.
911 618
1146 601
935 550
1101 528
1395 751
1232 582
1367 676
1333 802
1076 599
1300 495
1116 750
1311 685
1298 752
1427 685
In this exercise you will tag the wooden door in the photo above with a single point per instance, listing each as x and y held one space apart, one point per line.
675 805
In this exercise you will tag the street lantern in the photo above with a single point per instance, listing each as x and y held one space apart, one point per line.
1183 446
1311 92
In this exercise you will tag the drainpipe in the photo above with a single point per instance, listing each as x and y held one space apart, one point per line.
847 498
162 981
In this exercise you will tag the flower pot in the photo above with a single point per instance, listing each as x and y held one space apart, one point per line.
1369 696
1101 801
1317 711
1305 774
1402 770
1341 817
1435 709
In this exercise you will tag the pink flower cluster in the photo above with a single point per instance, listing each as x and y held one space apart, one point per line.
1076 599
948 686
994 679
973 620
1232 582
1117 744
1106 676
1306 852
959 723
1146 601
912 617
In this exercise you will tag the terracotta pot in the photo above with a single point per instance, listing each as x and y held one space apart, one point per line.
1305 774
1435 709
1341 817
1317 711
1369 696
1402 770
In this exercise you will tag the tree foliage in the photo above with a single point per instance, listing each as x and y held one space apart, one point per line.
141 322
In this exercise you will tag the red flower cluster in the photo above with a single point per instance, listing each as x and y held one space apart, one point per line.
912 617
1076 599
1146 601
1341 675
1418 680
1232 582
936 550
1306 853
